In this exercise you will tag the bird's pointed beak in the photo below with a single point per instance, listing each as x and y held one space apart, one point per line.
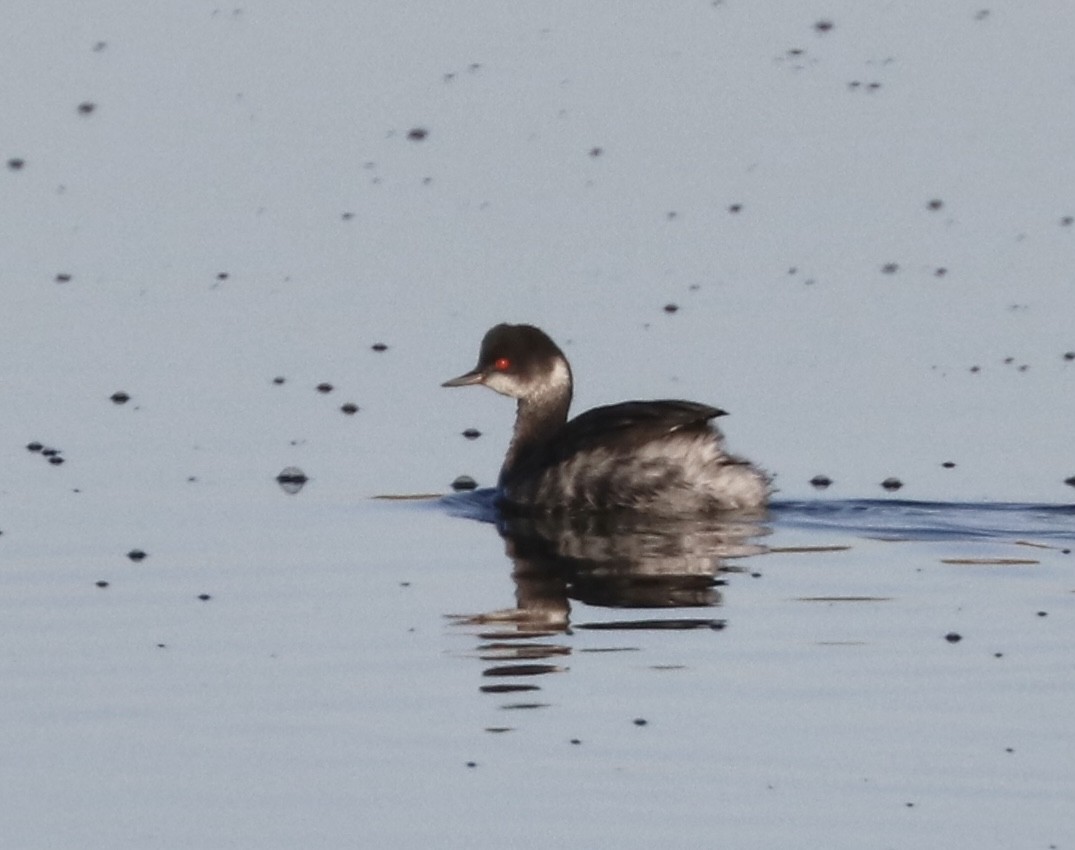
474 376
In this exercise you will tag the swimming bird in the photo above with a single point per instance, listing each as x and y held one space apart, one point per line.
663 457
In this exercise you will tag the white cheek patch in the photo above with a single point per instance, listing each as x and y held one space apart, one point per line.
503 384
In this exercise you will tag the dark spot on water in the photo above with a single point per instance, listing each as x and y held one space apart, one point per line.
36 447
820 482
50 452
823 26
975 369
55 460
1069 355
981 15
119 397
1069 481
404 584
279 379
1009 749
350 408
99 46
596 152
62 277
890 268
417 134
998 654
948 464
640 721
464 482
1066 221
16 163
379 346
873 86
472 433
472 764
347 216
941 271
291 479
953 637
575 741
935 204
909 805
102 584
1008 361
136 555
324 387
671 214
1043 613
86 107
671 308
222 276
735 208
162 645
892 484
204 597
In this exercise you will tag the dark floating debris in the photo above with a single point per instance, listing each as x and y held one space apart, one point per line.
136 555
596 152
1070 481
1069 355
291 479
890 268
472 433
948 464
222 276
350 408
35 446
820 482
735 208
324 387
953 637
935 204
671 308
379 346
119 397
55 460
16 163
86 107
62 277
892 484
640 721
417 134
102 583
204 597
1067 221
278 380
1043 613
464 482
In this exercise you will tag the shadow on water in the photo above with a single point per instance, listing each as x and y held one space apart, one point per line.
636 563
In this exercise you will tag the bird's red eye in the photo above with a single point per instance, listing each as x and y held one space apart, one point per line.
502 364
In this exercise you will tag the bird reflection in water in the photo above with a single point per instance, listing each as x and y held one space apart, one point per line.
626 561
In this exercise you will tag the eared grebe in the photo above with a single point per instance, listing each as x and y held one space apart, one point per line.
657 456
